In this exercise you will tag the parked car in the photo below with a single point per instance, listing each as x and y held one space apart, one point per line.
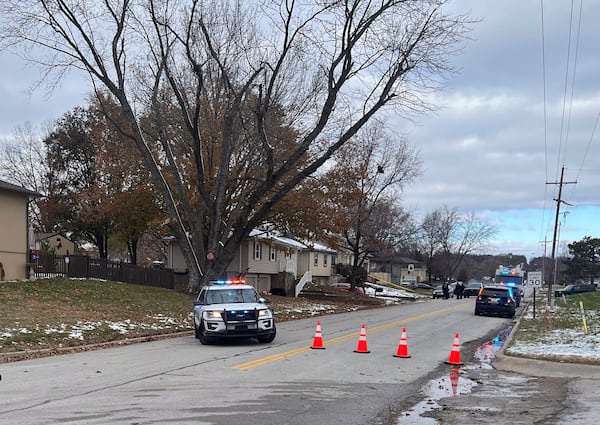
575 289
518 292
496 300
472 289
423 286
438 293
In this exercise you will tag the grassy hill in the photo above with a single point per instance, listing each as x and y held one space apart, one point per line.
58 313
47 316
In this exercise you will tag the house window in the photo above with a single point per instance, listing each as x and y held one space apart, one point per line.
324 260
316 259
257 250
288 254
273 253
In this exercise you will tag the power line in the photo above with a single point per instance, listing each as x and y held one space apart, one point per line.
562 123
573 80
545 114
587 149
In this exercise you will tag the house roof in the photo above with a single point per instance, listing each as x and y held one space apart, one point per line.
397 260
40 236
292 243
14 188
315 246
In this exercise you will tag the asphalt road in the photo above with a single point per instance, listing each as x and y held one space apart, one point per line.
497 389
182 382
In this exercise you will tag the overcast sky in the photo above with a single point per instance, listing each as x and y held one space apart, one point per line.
497 142
502 133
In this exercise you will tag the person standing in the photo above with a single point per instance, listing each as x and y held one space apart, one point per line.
458 290
446 290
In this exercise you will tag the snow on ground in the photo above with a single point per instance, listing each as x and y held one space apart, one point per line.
561 342
385 292
567 342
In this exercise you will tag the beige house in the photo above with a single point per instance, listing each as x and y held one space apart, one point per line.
269 261
14 225
398 270
55 243
319 260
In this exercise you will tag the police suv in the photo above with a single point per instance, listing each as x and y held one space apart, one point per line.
232 309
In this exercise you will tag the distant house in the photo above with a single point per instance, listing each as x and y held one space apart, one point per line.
269 261
398 269
55 243
14 229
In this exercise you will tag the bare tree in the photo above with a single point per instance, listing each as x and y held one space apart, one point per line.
365 185
222 79
429 239
459 234
23 162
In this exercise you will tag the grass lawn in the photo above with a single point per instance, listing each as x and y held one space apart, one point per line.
560 334
55 313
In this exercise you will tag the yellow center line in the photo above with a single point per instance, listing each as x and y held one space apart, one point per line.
290 353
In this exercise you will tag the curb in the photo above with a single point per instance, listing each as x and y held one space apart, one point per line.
47 352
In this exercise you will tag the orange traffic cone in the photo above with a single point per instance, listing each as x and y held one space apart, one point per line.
454 358
403 346
318 339
454 379
362 341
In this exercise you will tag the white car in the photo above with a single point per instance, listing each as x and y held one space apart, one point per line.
231 310
438 293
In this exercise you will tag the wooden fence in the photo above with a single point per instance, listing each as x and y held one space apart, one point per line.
84 267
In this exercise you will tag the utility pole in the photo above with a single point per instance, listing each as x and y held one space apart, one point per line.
558 202
545 242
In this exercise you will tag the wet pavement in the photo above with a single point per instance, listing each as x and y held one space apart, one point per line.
492 388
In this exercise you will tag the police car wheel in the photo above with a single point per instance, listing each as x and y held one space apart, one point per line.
267 339
204 340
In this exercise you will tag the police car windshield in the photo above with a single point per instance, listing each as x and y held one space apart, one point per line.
229 295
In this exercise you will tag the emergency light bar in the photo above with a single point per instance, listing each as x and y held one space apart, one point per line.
229 282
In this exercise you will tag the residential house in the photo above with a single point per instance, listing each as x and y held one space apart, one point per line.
269 261
14 227
319 260
265 260
398 269
55 243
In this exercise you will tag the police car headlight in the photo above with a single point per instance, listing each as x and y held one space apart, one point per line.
264 314
214 314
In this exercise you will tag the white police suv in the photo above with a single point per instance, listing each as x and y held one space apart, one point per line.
232 309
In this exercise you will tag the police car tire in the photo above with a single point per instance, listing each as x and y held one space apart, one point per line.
204 340
267 339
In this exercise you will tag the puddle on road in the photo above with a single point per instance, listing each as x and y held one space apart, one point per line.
451 385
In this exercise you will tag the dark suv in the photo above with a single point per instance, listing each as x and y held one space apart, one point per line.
497 300
575 289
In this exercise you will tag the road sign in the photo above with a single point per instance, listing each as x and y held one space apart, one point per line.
534 278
